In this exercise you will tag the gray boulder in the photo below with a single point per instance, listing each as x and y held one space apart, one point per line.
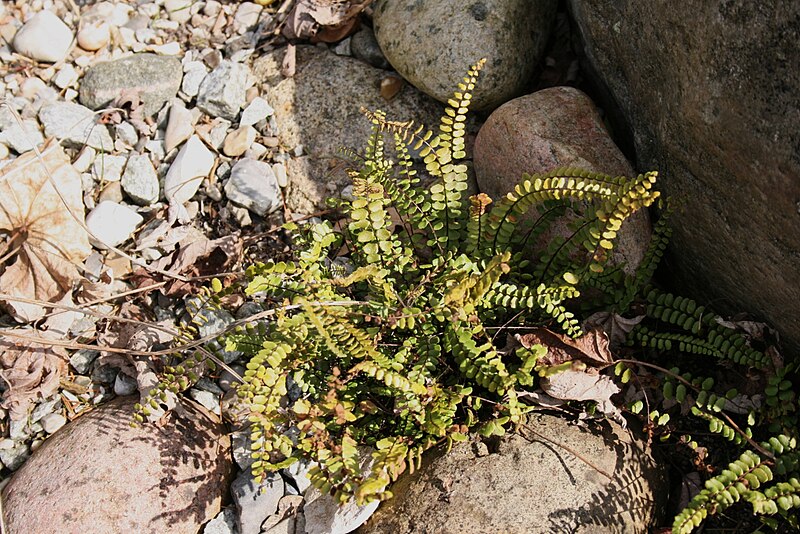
155 79
432 43
531 485
318 109
710 95
98 474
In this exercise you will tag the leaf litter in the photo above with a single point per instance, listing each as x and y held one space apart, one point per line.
582 380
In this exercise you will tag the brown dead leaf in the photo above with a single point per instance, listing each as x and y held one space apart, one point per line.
590 348
582 386
50 244
327 20
196 256
614 325
31 372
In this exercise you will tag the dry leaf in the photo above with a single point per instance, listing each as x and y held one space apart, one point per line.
751 329
582 386
196 256
614 325
328 20
31 372
590 348
50 243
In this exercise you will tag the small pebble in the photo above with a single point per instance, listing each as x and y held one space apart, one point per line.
179 10
256 111
112 224
253 185
126 133
224 523
192 164
140 180
238 141
342 48
22 138
194 74
124 385
14 457
111 192
246 17
212 8
94 36
108 168
210 401
255 502
32 87
168 49
222 92
52 422
180 125
85 159
67 75
255 151
82 360
75 125
279 169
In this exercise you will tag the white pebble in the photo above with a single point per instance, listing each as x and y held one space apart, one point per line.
108 168
32 87
52 422
179 10
180 125
126 133
192 164
44 38
194 74
66 76
280 174
94 36
111 224
256 111
168 49
84 159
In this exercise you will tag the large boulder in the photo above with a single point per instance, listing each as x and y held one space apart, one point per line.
710 92
531 485
546 130
319 110
98 474
432 43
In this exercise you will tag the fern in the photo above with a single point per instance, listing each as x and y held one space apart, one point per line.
393 356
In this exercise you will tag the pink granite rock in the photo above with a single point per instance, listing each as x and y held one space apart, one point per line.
98 474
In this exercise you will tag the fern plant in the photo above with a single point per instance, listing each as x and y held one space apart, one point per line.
384 336
395 348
